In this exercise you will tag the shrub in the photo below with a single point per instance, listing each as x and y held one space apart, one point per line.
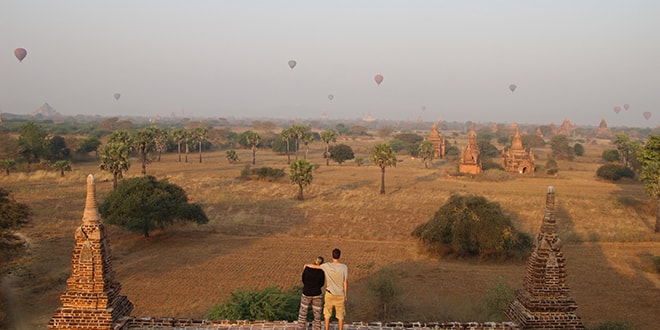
497 299
578 149
385 291
655 263
271 303
341 153
472 226
551 167
611 155
614 172
264 173
231 156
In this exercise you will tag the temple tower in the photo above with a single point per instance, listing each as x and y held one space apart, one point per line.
544 301
438 142
92 300
516 158
470 162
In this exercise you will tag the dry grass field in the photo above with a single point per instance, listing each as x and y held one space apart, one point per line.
259 235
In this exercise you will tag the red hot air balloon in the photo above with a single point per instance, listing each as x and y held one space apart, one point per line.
617 109
378 78
626 106
647 115
20 54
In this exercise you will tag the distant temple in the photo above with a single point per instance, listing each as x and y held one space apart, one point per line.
516 158
438 143
603 131
470 162
544 301
566 128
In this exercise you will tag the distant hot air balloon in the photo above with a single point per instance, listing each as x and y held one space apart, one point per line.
378 78
626 106
20 54
330 97
117 96
292 64
617 109
647 115
513 87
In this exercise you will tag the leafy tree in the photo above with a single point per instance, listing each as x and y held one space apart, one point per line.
328 136
408 142
300 133
143 203
178 137
301 174
342 129
383 156
271 303
56 149
88 145
358 130
114 159
551 167
7 164
200 134
121 136
578 149
62 166
12 214
144 145
649 157
426 151
250 140
32 142
231 156
560 147
487 149
385 131
472 226
532 141
614 172
341 153
628 151
611 155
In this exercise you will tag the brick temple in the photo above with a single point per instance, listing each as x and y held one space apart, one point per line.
438 142
544 302
516 158
93 301
470 161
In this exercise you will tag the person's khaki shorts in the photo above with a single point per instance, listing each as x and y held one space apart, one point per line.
334 301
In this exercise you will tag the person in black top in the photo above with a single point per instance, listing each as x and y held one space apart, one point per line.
313 282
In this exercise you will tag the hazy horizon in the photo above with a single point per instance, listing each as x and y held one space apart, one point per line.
440 60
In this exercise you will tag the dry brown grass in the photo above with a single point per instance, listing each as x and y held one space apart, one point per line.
259 235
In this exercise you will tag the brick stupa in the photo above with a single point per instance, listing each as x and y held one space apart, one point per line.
92 300
544 301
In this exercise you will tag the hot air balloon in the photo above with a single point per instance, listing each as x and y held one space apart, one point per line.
378 78
330 97
512 87
617 109
20 54
647 115
626 106
117 96
292 64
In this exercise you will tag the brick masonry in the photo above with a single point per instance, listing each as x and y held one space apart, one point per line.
93 300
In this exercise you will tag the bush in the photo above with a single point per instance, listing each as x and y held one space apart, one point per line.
341 153
551 167
271 303
497 299
385 292
578 149
473 226
262 173
614 172
655 263
611 155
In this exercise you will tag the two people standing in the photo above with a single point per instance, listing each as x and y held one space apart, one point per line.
336 289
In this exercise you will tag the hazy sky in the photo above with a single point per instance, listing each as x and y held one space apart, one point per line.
452 60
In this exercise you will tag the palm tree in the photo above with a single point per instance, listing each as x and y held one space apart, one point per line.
144 146
62 166
178 136
426 151
301 174
287 134
298 133
328 136
253 139
114 159
7 164
160 139
383 156
200 134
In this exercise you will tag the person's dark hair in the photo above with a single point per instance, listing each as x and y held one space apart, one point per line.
319 260
336 253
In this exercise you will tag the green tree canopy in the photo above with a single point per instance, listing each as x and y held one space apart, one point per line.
271 303
560 147
649 157
144 203
426 151
383 156
250 140
62 166
12 213
32 142
470 225
301 174
341 153
7 164
114 159
328 136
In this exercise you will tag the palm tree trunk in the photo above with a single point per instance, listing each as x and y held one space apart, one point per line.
382 180
179 149
254 155
200 152
187 151
288 156
300 192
